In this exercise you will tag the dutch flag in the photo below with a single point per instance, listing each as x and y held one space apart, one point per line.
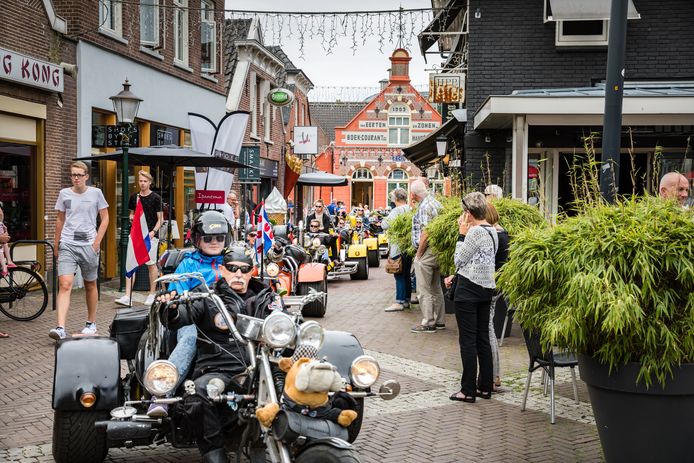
138 242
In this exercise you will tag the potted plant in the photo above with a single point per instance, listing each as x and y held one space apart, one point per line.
615 284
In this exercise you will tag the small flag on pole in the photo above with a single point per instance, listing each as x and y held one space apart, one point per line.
264 237
138 242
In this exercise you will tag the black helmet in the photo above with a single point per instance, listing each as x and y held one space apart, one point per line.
210 223
238 252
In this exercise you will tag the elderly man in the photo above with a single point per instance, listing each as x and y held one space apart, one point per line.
230 209
217 355
675 186
426 266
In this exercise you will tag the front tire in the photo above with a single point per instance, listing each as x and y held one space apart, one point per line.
374 258
316 308
76 439
323 453
362 272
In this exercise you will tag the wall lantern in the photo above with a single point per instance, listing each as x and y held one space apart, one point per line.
441 142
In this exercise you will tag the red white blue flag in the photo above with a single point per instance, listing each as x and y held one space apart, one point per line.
138 242
264 237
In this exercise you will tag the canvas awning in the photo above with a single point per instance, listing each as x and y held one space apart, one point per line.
585 10
443 20
424 151
320 178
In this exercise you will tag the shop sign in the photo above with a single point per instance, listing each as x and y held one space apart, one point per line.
161 135
29 71
250 155
280 97
269 168
358 138
372 124
447 88
209 196
108 136
305 140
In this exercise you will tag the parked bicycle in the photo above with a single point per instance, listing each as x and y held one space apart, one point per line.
23 291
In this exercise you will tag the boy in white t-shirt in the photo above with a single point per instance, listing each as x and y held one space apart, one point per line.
77 243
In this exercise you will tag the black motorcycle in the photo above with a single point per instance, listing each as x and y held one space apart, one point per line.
96 408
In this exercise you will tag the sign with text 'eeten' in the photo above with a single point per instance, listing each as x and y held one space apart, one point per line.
250 155
29 71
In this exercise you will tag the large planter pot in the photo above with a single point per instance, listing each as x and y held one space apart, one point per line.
636 423
500 311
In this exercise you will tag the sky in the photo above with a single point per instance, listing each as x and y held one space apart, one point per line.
344 68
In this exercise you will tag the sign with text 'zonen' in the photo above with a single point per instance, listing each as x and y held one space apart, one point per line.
29 71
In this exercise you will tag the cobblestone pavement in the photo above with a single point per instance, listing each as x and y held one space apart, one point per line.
421 425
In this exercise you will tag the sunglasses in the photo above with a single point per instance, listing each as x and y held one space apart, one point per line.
78 175
315 226
219 238
233 268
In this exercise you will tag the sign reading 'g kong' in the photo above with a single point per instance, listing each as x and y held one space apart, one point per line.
29 71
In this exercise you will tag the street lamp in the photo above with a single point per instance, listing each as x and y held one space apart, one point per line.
125 104
441 142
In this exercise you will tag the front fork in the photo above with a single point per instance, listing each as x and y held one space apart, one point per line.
279 453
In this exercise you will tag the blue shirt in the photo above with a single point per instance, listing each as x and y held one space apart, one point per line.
197 262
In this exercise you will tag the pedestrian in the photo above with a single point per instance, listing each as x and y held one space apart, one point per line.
5 258
230 209
403 282
675 186
154 216
474 259
500 259
77 244
493 192
426 266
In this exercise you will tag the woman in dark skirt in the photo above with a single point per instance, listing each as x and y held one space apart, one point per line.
474 288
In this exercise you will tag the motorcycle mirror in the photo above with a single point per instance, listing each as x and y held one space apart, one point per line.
121 413
389 390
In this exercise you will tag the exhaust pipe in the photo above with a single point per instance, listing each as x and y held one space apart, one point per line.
126 433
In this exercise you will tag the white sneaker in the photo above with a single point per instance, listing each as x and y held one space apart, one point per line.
57 333
124 300
89 328
395 308
150 299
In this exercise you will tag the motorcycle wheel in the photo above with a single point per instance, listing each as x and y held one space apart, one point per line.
355 427
323 453
76 439
316 308
374 258
362 272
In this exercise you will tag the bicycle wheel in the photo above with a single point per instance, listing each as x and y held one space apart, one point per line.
23 294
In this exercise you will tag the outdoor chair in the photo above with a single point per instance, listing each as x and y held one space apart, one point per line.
548 361
509 314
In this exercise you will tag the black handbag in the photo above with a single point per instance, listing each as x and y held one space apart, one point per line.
450 292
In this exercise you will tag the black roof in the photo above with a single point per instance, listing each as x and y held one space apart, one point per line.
328 115
234 29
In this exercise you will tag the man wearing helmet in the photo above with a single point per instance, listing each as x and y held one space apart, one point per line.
218 356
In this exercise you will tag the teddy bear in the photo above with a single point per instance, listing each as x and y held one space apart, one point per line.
306 388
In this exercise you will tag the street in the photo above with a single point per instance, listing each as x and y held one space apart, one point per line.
421 425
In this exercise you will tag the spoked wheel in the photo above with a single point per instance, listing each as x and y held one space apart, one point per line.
23 294
323 453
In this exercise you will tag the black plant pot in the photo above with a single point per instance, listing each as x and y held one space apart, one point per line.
636 423
500 311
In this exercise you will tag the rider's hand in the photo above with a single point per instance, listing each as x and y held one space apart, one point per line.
166 296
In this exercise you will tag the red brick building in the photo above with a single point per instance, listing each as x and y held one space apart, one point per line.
368 149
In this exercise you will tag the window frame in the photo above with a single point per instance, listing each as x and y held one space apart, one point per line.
403 127
207 7
392 183
111 11
154 5
181 7
359 178
593 40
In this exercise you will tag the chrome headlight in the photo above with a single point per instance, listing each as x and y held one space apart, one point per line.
322 250
310 334
272 269
364 371
279 330
161 377
316 242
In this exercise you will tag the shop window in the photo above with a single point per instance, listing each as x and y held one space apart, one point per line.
149 23
398 178
208 38
18 189
110 16
181 31
362 174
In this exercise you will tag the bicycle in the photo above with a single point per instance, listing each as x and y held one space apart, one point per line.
21 290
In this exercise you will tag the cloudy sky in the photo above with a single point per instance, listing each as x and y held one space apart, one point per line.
344 68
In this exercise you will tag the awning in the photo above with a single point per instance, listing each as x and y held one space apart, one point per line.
585 10
428 37
424 151
320 178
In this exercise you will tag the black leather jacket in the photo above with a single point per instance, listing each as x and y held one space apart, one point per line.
217 351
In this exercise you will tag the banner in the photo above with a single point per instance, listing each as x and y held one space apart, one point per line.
447 88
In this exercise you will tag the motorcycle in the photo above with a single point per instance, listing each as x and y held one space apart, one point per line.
97 409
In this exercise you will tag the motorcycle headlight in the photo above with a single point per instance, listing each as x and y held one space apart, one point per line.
321 249
161 377
310 334
364 371
316 242
272 269
279 330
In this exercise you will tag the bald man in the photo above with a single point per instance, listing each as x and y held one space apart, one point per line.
675 186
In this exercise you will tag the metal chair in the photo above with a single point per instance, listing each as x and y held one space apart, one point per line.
548 361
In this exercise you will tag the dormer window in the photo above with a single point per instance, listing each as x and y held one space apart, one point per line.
398 124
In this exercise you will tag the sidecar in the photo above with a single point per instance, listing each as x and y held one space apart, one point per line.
91 390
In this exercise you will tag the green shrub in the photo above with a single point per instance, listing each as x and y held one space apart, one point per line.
515 215
616 283
400 233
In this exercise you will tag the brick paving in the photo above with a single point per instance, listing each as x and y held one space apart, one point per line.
421 425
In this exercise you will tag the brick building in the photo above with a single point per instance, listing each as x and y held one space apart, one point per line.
534 86
368 149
